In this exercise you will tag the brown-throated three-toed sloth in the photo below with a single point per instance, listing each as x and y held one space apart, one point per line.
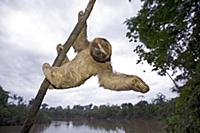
93 58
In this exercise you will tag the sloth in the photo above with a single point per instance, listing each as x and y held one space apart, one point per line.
82 67
92 59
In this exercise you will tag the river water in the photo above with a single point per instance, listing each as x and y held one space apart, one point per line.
137 126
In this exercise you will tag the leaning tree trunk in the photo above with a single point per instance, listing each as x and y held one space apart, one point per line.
57 62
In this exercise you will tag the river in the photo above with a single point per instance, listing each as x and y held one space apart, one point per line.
94 126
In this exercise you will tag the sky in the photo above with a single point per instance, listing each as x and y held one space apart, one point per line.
30 31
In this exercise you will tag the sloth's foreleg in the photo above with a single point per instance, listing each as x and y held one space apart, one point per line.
122 82
81 42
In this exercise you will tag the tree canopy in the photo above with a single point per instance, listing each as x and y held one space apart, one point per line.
170 34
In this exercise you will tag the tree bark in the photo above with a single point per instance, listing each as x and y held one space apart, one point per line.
57 62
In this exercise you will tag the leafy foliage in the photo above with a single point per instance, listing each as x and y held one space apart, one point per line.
170 34
186 118
169 31
3 97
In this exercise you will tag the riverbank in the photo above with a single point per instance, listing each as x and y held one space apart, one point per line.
93 126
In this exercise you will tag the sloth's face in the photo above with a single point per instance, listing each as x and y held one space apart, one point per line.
139 85
100 50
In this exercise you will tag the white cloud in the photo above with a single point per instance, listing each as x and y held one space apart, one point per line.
30 31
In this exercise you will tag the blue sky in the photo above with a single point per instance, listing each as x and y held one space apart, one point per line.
30 31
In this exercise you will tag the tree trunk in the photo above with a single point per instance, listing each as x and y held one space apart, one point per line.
57 62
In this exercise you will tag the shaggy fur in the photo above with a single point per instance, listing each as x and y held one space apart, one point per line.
84 65
122 82
75 72
93 58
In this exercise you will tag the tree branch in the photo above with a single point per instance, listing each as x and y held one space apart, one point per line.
57 62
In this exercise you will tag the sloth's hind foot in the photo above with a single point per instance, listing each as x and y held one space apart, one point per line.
47 72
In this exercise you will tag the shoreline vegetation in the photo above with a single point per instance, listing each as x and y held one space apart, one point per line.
93 126
15 111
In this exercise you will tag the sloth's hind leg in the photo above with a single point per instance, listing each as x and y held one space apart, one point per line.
53 75
59 48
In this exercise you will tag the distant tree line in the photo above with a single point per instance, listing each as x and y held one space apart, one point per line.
159 109
15 112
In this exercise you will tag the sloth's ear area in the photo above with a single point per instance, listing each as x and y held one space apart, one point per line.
100 50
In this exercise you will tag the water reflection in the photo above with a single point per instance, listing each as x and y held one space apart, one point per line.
93 126
136 126
39 128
